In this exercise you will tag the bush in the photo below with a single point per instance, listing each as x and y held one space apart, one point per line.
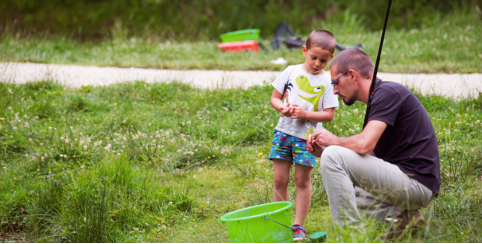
210 18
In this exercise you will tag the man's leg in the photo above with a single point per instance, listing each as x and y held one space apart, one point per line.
303 192
342 169
371 206
281 170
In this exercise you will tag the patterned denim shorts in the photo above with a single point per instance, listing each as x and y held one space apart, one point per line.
290 148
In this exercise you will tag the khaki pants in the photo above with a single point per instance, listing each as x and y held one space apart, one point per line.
367 184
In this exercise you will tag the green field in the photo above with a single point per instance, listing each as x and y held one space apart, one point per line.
139 162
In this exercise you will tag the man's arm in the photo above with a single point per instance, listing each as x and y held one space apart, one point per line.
362 143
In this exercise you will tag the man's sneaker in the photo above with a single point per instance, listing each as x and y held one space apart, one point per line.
407 221
299 233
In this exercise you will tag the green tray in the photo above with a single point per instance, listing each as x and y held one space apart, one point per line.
241 35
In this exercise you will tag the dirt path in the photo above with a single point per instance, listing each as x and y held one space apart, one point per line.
449 85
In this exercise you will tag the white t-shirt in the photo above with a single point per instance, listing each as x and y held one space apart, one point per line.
311 92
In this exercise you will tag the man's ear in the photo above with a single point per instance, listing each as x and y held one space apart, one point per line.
353 74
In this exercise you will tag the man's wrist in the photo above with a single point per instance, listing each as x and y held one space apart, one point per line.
336 141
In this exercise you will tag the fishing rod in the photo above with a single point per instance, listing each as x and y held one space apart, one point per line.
372 86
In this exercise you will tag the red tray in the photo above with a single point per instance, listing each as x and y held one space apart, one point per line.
238 46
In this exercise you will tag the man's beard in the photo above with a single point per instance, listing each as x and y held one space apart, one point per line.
348 102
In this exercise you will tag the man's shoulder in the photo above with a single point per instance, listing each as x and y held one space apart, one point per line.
390 89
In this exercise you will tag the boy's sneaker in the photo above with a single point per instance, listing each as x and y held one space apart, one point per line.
299 233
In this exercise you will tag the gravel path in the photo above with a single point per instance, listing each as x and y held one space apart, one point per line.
449 85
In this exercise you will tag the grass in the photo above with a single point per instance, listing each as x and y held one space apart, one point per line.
139 162
449 46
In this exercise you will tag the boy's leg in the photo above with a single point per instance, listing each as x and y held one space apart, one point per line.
303 192
281 170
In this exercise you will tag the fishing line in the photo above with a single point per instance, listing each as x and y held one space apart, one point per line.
372 86
279 223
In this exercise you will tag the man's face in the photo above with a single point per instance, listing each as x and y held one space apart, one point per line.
342 86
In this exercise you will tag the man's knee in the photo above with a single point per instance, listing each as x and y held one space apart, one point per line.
330 157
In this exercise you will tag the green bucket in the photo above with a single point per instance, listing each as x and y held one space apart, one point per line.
241 35
270 222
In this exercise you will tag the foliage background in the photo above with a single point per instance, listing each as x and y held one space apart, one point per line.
207 19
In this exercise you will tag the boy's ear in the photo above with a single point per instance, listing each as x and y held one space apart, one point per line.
304 50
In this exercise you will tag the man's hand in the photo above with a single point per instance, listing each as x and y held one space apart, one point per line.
286 110
324 138
297 112
313 147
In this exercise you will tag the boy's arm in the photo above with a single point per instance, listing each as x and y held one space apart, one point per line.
319 116
278 104
276 100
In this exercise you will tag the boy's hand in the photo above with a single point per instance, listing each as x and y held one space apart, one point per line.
286 110
297 112
313 147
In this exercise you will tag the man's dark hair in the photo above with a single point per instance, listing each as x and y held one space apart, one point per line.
323 39
353 59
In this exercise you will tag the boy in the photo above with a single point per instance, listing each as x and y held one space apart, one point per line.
304 96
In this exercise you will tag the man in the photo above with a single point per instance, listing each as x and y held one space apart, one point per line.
391 169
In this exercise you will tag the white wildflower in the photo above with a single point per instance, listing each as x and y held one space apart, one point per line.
108 147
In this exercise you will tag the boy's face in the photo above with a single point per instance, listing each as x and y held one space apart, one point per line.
316 59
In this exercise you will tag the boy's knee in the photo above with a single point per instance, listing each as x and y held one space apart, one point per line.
281 181
302 183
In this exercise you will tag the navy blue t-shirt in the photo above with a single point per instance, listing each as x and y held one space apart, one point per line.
409 141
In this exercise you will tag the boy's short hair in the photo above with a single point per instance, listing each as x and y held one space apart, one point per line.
353 59
323 39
